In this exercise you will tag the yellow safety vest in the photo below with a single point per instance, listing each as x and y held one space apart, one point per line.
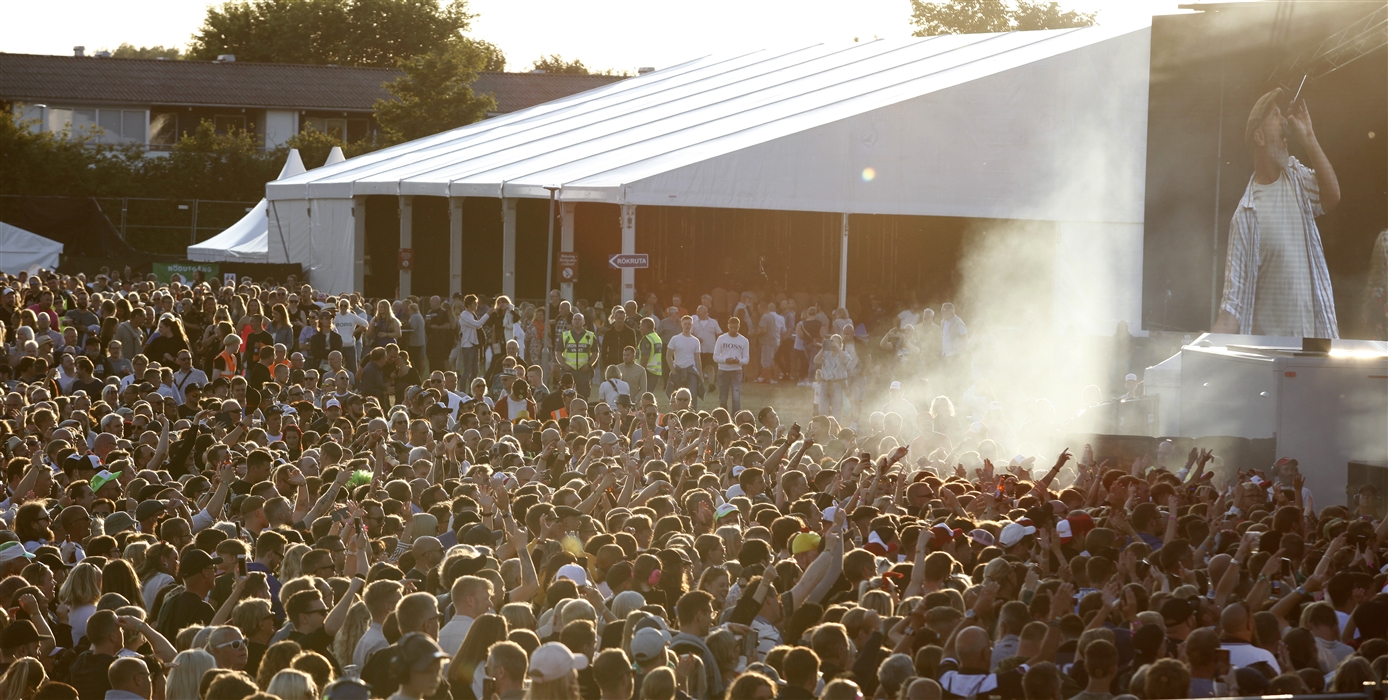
578 354
655 363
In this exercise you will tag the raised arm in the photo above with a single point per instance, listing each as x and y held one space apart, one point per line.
162 648
334 621
330 496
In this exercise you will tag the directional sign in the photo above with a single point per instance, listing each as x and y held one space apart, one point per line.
624 260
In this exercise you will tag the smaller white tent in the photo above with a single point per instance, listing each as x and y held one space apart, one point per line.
248 240
27 251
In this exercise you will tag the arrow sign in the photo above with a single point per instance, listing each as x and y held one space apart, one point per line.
632 260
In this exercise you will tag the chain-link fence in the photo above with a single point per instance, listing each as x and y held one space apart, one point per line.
169 226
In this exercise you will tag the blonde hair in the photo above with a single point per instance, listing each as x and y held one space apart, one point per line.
22 678
877 600
135 553
291 684
187 674
82 587
353 628
249 613
659 684
424 524
293 565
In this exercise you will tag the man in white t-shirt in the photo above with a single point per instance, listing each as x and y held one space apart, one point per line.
1236 631
732 352
684 351
346 323
707 330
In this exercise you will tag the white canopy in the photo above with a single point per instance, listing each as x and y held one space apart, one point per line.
26 251
247 240
986 125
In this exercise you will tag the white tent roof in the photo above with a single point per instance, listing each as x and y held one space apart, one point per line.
965 125
22 250
247 240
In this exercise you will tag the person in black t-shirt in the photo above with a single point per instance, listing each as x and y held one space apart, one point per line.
315 625
258 338
258 373
86 379
197 569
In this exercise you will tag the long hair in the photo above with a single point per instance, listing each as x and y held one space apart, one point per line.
149 565
565 688
293 564
176 324
345 643
276 659
118 576
187 674
486 630
26 523
82 587
21 679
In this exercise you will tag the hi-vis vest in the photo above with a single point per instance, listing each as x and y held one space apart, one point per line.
655 362
578 353
228 361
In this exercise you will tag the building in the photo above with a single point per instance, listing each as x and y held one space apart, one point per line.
152 101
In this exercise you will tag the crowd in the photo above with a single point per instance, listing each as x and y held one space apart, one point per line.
248 490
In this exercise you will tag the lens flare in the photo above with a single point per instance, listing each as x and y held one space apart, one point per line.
869 174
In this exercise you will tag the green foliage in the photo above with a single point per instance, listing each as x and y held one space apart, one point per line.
932 17
554 63
495 59
208 165
127 50
44 163
344 32
315 145
435 94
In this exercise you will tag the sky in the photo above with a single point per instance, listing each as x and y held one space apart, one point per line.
615 34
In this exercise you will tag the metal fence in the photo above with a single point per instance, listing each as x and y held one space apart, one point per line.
166 226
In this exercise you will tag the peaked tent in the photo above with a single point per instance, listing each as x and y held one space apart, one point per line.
26 251
247 240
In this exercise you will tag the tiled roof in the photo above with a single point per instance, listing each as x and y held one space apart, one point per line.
91 80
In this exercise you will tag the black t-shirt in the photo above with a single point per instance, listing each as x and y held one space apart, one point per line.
93 387
186 610
253 343
319 641
255 651
257 375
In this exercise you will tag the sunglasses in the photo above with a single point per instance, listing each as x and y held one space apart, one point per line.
235 644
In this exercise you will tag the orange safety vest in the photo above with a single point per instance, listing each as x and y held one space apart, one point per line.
229 360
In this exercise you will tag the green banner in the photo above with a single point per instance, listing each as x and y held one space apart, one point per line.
165 271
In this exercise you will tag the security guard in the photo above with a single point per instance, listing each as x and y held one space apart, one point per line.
579 354
652 352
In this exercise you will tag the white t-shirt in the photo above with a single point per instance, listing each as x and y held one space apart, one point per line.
684 349
706 330
728 348
1241 655
346 325
610 389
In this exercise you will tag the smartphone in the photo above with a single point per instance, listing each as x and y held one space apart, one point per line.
356 523
1286 568
1223 656
241 564
749 645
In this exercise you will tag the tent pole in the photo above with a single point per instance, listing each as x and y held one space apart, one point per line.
549 256
508 247
406 242
843 264
455 245
628 247
358 245
566 245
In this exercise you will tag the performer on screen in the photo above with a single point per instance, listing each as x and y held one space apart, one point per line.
1275 279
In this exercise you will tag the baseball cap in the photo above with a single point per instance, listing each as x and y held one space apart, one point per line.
194 561
942 534
417 650
1287 462
647 644
552 661
1075 525
331 403
102 478
895 385
19 633
10 551
982 537
149 509
573 572
1259 112
1012 533
828 514
724 511
804 542
1130 377
52 561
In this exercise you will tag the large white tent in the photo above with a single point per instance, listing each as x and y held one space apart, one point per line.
1047 125
26 251
248 240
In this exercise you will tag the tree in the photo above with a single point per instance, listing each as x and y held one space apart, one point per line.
315 145
554 63
932 17
495 60
127 50
434 94
344 32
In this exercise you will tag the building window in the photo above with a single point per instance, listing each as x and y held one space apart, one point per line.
335 127
163 130
225 124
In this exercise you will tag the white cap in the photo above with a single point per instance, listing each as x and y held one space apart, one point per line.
331 403
552 661
1012 533
573 572
1130 378
828 514
895 385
